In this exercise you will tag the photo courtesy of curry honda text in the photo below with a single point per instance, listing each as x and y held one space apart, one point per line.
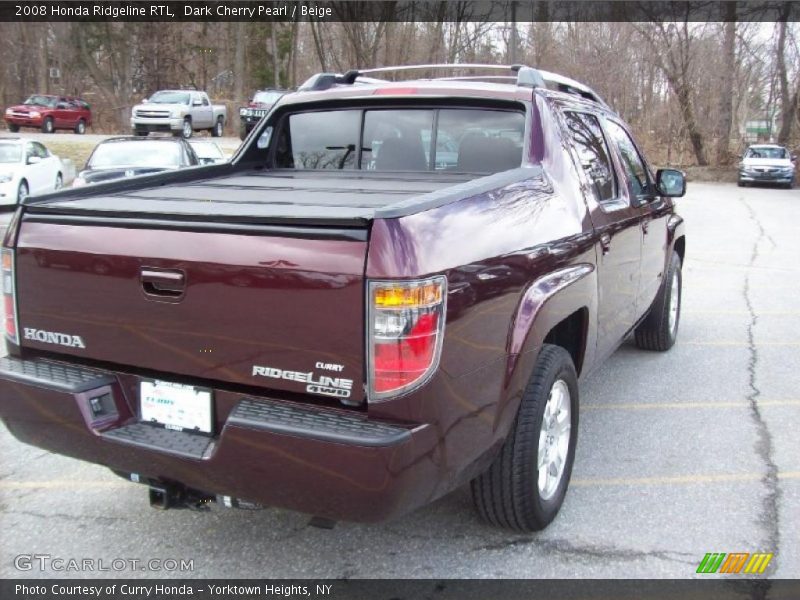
393 289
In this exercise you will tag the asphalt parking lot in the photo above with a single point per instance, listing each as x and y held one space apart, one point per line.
679 454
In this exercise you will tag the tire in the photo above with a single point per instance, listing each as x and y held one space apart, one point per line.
186 129
141 132
511 493
22 191
243 131
218 128
80 127
13 127
740 183
59 182
48 126
659 330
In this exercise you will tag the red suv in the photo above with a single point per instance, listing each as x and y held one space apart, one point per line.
49 113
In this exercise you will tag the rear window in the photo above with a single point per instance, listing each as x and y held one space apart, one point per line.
135 154
459 140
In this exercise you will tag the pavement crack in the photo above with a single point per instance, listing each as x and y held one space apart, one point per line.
66 517
764 446
589 551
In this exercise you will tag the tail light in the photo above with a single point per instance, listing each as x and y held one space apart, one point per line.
406 327
9 296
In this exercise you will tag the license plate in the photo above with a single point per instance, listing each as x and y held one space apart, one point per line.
176 406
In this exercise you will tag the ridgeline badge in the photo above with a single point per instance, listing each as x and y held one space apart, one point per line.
317 384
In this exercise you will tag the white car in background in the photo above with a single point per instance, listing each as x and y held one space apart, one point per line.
27 168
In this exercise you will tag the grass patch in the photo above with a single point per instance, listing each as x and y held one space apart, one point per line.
77 152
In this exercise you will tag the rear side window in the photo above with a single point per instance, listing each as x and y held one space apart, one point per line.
416 139
592 150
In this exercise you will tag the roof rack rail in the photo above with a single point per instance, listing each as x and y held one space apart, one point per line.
521 75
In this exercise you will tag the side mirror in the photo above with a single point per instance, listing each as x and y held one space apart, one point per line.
670 182
145 100
32 160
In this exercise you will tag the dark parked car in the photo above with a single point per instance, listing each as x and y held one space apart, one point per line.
338 322
120 157
49 113
767 163
259 106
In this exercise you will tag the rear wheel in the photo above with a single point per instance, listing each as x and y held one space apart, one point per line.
659 330
80 127
526 484
47 125
218 128
13 127
22 191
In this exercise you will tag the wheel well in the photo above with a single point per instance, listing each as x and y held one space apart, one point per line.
680 247
570 334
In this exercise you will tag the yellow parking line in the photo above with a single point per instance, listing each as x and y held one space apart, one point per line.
679 479
685 405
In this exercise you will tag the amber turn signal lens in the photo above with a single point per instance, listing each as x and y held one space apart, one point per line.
408 297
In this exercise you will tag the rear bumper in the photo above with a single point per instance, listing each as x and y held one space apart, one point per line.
325 462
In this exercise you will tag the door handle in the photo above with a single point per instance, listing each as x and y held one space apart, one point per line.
166 283
605 243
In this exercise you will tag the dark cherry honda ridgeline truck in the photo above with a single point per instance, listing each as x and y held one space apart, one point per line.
391 290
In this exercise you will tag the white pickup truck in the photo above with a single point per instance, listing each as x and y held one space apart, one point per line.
181 112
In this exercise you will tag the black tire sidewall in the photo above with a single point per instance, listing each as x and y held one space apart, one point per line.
19 189
546 510
48 126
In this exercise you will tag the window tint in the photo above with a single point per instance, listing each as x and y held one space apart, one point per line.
393 140
631 160
590 144
319 140
470 140
487 140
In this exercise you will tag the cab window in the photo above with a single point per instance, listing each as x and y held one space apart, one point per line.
593 155
632 162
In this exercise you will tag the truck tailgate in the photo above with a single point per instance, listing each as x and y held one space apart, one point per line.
266 309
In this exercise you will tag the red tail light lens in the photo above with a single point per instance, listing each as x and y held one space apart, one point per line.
9 296
406 326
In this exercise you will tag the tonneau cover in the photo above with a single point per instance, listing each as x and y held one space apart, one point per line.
261 196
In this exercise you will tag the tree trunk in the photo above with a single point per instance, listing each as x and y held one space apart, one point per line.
725 107
276 68
238 62
788 100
